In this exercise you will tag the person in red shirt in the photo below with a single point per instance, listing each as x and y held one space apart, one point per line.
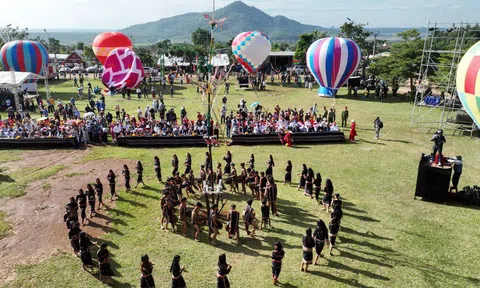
353 131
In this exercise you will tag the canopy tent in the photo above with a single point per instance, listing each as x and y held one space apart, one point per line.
13 79
16 81
220 60
172 61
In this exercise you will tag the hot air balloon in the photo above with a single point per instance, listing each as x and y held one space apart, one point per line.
24 56
123 69
251 49
468 82
104 43
333 60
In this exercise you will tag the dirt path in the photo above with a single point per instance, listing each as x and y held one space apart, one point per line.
37 217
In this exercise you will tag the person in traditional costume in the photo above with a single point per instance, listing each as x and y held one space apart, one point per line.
126 175
139 169
353 131
177 278
287 139
158 169
320 235
106 272
146 269
111 183
288 173
308 244
85 255
223 269
233 221
277 256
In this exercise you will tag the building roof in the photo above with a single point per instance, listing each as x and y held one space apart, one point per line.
282 54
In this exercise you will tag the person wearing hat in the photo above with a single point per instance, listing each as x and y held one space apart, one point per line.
106 272
196 219
438 139
146 269
353 131
457 171
277 256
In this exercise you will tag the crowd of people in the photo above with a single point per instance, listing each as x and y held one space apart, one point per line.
179 187
260 121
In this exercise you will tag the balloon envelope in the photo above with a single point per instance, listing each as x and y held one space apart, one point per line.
105 42
251 49
123 69
24 56
468 82
326 92
333 60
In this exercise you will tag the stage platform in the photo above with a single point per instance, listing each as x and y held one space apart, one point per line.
162 141
38 143
298 138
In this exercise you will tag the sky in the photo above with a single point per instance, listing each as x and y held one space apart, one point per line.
118 14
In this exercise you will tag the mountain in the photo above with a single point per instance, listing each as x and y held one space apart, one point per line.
240 18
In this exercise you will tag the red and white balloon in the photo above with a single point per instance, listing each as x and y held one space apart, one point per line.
122 69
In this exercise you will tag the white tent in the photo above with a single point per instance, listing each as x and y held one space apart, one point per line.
11 79
220 60
16 80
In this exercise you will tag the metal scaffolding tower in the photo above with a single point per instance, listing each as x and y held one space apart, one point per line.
437 76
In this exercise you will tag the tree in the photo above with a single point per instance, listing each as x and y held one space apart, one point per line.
404 60
163 46
89 55
358 33
80 45
54 46
304 43
201 37
9 33
145 56
280 46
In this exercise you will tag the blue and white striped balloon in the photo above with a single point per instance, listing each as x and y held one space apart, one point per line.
333 60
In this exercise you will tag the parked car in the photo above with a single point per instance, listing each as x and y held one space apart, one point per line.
65 70
300 69
78 70
147 70
92 69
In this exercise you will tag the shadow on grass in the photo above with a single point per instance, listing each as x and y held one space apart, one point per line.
6 178
397 141
347 282
133 192
360 217
350 207
111 220
340 266
104 228
120 213
366 234
131 202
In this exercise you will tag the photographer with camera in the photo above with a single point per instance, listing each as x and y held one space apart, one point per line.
438 139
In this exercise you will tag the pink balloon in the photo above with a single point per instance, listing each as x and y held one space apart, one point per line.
122 69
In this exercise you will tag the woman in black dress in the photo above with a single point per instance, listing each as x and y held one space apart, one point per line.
74 236
188 164
99 190
333 226
277 256
309 184
82 203
337 208
308 244
174 164
317 185
271 193
158 169
213 223
320 235
177 278
252 162
303 177
85 255
139 169
208 161
106 272
233 228
146 269
327 198
228 160
270 165
126 175
91 199
111 183
288 174
222 272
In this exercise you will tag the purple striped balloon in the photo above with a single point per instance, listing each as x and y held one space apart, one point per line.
333 60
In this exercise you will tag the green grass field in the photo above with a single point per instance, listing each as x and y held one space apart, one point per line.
387 239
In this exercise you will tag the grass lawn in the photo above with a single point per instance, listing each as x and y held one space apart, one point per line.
387 238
